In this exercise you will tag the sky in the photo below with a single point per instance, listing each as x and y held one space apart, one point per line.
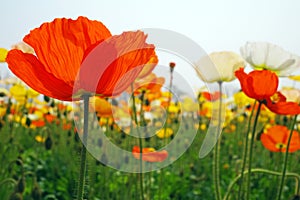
215 25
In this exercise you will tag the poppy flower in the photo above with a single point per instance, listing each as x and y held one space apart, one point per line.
211 96
149 154
148 84
262 85
101 106
61 49
276 137
188 105
3 54
264 55
219 66
164 133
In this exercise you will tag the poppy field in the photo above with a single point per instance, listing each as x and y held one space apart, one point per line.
86 116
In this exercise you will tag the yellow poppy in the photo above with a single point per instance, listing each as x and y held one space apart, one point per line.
3 54
164 134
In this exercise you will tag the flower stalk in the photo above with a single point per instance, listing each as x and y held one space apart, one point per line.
82 172
283 174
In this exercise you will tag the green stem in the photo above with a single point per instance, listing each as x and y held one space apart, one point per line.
140 143
245 151
81 182
165 129
265 171
286 159
216 153
8 180
251 150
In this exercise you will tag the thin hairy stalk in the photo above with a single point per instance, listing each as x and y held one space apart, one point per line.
286 159
82 171
251 150
264 171
246 141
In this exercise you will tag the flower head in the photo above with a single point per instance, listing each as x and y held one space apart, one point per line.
3 54
262 86
258 85
219 66
263 55
150 154
276 137
62 46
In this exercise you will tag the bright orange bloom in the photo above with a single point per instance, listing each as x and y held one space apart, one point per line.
211 96
148 84
262 85
258 85
276 138
62 45
149 154
102 107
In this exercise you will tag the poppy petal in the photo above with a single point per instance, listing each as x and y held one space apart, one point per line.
258 84
60 45
283 108
32 72
115 63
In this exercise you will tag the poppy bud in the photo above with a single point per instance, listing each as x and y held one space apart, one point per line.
36 192
48 143
76 138
28 121
100 142
46 98
19 161
126 159
104 159
21 185
172 64
52 104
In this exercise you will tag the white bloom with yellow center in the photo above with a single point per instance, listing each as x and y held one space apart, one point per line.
263 55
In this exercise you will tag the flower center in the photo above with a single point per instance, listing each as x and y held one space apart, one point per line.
280 145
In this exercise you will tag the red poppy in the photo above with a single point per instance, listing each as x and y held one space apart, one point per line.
276 138
258 85
262 85
149 84
38 123
63 44
211 96
149 154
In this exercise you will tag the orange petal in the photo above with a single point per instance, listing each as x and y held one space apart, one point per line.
33 73
258 84
157 156
115 63
60 44
284 108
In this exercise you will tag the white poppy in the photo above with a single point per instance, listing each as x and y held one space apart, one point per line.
263 55
219 66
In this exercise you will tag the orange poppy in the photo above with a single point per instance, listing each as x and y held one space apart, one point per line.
149 154
211 96
149 85
101 106
277 104
276 138
262 85
258 85
62 45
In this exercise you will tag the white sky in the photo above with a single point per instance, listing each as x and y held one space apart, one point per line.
215 25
